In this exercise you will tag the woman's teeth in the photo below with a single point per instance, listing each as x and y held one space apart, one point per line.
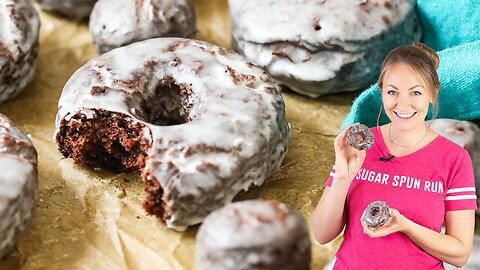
405 115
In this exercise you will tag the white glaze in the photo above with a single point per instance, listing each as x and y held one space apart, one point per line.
238 225
243 234
18 183
19 25
115 23
463 133
245 119
314 63
13 177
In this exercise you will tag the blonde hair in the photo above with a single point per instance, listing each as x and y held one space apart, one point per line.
423 60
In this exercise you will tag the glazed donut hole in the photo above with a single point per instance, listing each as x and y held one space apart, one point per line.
254 235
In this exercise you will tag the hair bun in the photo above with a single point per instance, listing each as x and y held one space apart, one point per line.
430 52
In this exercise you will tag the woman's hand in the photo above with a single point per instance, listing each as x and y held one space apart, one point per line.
348 160
395 223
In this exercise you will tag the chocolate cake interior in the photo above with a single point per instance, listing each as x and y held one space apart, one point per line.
110 141
114 141
154 202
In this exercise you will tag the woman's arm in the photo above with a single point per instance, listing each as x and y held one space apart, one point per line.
330 215
453 247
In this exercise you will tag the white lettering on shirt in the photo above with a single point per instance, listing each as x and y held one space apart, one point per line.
400 181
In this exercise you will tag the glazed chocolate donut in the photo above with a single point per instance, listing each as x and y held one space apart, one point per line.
321 47
73 9
360 137
464 133
19 25
115 23
254 235
18 183
467 135
200 122
376 214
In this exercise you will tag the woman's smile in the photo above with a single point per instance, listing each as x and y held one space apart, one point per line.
405 115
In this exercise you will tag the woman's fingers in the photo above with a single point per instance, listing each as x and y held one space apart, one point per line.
360 156
393 212
389 221
344 133
341 139
336 143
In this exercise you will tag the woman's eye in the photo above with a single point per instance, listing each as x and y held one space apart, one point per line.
391 92
416 93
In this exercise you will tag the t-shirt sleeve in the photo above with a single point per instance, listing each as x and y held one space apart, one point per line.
329 181
461 193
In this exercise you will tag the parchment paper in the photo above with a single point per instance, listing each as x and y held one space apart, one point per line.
92 219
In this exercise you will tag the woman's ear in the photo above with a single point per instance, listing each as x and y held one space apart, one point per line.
434 98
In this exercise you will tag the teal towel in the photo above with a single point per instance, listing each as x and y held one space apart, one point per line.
448 23
459 70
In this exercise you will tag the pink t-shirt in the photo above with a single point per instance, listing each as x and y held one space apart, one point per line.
422 186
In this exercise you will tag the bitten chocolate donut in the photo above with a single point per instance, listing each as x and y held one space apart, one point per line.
73 9
253 235
360 137
18 183
376 214
19 25
200 122
115 23
321 47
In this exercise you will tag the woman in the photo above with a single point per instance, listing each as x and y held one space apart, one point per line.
424 178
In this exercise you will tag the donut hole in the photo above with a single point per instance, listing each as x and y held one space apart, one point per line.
170 104
375 211
359 137
460 129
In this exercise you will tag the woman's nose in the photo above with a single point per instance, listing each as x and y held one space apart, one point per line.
403 102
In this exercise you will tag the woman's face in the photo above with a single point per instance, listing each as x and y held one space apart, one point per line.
404 97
